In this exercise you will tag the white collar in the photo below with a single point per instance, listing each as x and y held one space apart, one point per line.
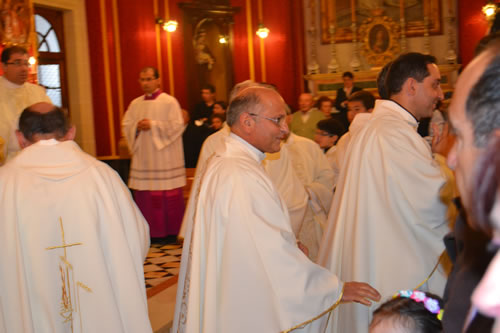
11 85
259 156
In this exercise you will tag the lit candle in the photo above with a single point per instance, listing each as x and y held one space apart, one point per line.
313 13
353 12
331 12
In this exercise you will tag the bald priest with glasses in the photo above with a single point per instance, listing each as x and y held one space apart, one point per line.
15 95
241 269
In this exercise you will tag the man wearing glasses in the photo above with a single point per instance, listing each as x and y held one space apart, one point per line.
15 95
241 269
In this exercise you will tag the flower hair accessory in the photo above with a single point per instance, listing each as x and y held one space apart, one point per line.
430 304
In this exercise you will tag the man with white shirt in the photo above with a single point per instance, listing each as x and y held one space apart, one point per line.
243 271
305 119
72 241
387 221
153 127
15 95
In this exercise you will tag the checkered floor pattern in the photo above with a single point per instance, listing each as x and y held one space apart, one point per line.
162 263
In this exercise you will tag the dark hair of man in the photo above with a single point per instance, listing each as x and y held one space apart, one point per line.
246 102
409 65
33 123
156 74
381 78
222 104
483 103
364 97
208 87
323 99
9 51
487 185
348 74
331 126
410 314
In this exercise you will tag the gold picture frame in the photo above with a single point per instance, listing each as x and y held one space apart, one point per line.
16 21
338 13
380 38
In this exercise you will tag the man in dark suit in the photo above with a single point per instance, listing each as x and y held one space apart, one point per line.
343 95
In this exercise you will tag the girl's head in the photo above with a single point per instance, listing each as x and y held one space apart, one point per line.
409 311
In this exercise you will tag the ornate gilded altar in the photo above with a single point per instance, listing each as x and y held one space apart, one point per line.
327 84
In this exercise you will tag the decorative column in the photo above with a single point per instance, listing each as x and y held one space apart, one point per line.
355 63
313 66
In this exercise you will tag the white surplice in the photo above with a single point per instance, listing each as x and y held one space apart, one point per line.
72 245
13 100
337 156
386 223
315 174
157 154
243 271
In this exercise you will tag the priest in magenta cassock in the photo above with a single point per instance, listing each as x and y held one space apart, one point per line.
72 241
242 270
387 222
153 126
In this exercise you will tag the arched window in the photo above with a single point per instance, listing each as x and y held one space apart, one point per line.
51 59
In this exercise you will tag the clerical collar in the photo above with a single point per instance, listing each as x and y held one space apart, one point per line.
402 107
153 95
11 85
260 155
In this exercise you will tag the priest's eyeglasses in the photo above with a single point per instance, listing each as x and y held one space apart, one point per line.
19 63
278 121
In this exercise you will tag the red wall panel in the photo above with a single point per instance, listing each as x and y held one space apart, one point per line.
472 27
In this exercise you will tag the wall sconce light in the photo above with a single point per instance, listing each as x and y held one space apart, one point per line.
170 25
262 31
489 10
223 39
32 60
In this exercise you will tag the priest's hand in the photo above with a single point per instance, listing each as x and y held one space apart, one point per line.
359 292
443 139
144 125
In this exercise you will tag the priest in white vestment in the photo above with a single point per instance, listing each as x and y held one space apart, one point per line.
72 241
387 221
243 271
316 175
153 127
15 95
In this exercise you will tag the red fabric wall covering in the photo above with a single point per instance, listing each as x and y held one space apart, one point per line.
177 55
282 49
98 85
472 27
240 43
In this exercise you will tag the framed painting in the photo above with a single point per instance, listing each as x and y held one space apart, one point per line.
380 39
15 22
341 13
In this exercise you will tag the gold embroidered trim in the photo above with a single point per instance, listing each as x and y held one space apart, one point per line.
68 285
329 310
432 272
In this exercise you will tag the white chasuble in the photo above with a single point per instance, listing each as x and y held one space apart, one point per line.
157 154
13 100
241 269
72 245
386 222
315 174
